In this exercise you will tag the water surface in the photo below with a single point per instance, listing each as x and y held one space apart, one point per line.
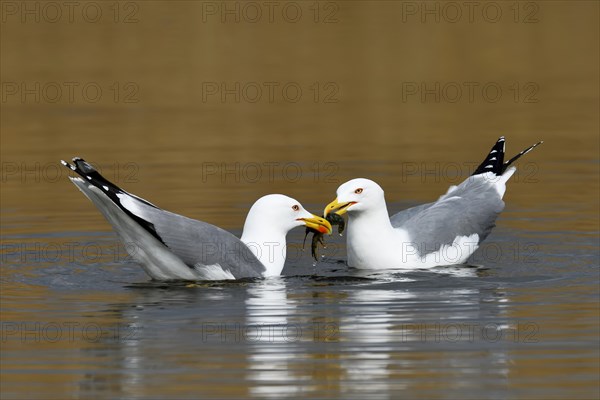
80 320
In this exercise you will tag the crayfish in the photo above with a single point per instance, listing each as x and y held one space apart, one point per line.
318 237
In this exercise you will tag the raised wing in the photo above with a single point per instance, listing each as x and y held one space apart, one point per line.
199 245
469 208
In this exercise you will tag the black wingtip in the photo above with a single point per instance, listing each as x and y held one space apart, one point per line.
66 164
515 158
83 165
85 170
494 160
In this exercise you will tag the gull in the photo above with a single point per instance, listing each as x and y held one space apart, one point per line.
444 232
173 247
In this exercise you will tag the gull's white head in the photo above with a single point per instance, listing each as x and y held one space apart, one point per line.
269 220
279 213
355 196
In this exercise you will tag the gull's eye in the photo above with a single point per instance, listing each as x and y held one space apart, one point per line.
296 207
358 191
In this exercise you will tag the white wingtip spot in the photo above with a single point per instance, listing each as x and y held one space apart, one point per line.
66 164
89 178
493 151
105 187
493 158
489 166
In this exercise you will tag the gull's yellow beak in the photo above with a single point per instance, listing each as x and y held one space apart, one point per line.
318 223
337 207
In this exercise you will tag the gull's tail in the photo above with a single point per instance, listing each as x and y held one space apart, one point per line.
90 174
87 173
494 162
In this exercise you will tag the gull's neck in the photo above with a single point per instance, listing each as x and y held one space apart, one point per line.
368 233
368 221
267 243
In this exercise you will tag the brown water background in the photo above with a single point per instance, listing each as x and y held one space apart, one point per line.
202 107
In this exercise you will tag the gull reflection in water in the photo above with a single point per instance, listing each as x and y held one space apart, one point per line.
367 333
399 340
387 338
157 332
270 313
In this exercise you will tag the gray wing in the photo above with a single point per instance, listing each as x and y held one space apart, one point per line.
401 217
469 208
196 243
199 244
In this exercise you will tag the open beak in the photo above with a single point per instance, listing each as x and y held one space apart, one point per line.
317 223
337 207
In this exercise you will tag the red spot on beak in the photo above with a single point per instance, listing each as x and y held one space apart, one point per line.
323 229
